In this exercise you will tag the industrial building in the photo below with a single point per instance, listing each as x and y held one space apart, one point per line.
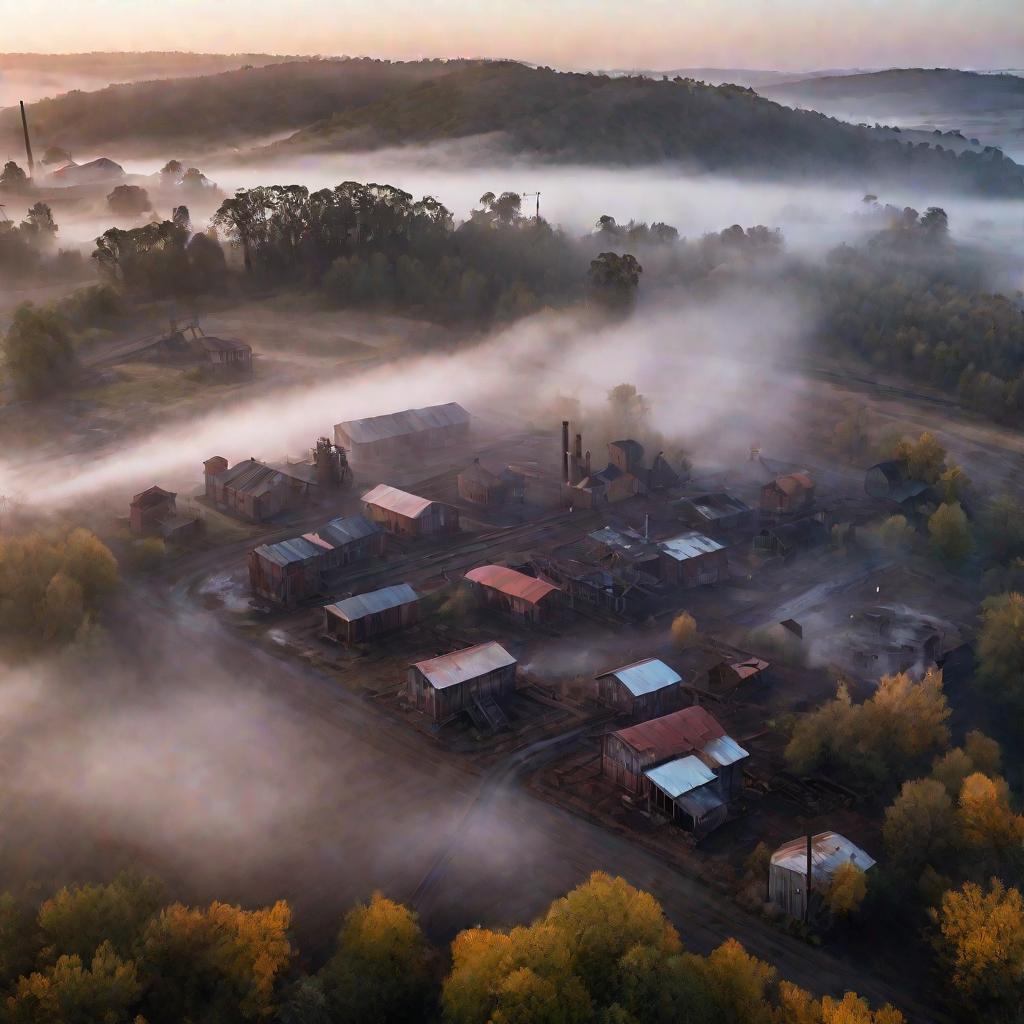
628 547
479 485
294 570
256 491
716 513
808 865
692 560
367 616
402 435
153 513
408 515
645 689
792 492
700 766
473 680
516 594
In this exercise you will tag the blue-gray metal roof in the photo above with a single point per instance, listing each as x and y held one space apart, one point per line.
645 676
401 424
680 776
828 851
700 801
461 666
288 552
354 608
724 751
689 545
347 530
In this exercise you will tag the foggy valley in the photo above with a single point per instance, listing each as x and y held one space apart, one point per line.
485 538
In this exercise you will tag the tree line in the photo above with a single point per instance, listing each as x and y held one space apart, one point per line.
603 954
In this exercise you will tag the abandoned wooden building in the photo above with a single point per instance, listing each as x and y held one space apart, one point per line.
692 560
408 515
403 435
697 792
154 513
628 547
787 540
731 673
367 616
715 513
516 594
481 486
645 689
295 570
227 357
792 492
624 476
473 680
808 865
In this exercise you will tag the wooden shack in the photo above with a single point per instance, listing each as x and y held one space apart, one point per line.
480 486
807 865
294 570
717 512
692 560
149 508
516 594
792 492
444 687
685 792
626 754
227 357
729 674
645 689
408 515
366 616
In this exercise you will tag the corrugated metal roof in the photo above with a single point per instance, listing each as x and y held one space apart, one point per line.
392 499
748 667
511 582
716 506
680 776
358 607
724 751
212 344
399 424
699 802
288 552
689 545
478 473
644 676
682 732
345 530
828 851
460 666
251 477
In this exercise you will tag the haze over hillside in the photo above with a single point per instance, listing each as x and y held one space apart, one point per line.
987 106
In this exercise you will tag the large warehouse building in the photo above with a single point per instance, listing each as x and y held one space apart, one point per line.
400 435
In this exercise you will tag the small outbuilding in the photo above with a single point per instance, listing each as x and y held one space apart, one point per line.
366 616
692 560
405 514
684 790
516 594
154 513
727 675
807 865
792 492
481 486
718 512
470 679
645 689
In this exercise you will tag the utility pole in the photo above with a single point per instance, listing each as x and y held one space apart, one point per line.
28 143
527 195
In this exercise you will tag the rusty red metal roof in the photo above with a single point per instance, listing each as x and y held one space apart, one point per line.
673 735
793 482
511 582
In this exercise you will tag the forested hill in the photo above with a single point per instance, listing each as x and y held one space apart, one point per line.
905 92
595 118
215 111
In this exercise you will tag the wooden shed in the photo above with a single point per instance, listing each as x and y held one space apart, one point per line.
692 560
405 514
516 594
149 508
371 615
727 675
792 492
685 791
628 753
294 570
645 689
444 687
807 865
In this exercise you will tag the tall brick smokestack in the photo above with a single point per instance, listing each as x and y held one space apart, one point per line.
28 143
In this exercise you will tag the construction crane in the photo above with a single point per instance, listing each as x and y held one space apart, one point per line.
536 195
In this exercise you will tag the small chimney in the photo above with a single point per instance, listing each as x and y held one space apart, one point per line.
577 448
586 463
647 526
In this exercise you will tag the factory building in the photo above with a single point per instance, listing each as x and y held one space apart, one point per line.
692 560
294 570
402 435
472 680
516 594
645 689
808 865
367 616
408 515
